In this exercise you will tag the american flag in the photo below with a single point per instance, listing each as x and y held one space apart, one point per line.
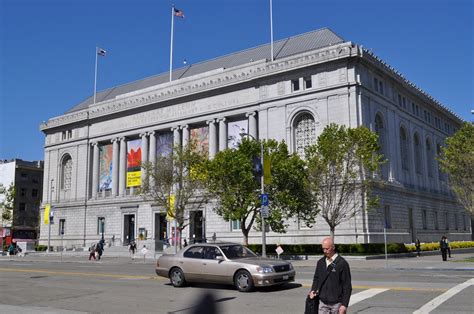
101 52
178 13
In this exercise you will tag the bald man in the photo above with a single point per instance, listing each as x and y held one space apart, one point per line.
332 281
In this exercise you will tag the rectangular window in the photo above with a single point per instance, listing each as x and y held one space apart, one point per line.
295 85
456 226
235 225
376 84
413 107
381 87
404 101
399 100
417 111
34 193
22 206
23 191
24 176
63 135
446 220
35 179
424 219
62 226
436 220
387 216
100 225
308 83
69 134
465 218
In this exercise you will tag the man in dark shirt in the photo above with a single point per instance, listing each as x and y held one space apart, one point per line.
332 281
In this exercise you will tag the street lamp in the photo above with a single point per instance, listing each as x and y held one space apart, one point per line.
262 189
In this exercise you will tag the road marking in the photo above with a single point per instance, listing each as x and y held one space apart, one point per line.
430 306
364 287
42 271
356 298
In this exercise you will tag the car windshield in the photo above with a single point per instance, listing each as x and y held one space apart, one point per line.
236 251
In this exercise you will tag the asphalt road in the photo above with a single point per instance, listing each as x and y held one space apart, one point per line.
44 284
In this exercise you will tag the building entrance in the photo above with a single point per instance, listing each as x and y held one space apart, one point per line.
128 228
196 233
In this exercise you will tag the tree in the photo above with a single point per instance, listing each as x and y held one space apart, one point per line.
232 182
341 167
176 182
7 206
457 160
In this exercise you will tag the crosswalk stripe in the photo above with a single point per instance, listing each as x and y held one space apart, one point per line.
356 298
430 306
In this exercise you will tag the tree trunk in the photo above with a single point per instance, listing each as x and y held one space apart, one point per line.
246 237
332 230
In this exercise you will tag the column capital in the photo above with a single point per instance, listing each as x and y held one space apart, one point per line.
94 144
224 119
174 128
182 127
151 133
251 114
121 139
143 134
115 139
210 121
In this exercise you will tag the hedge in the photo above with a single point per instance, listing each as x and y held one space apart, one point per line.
355 249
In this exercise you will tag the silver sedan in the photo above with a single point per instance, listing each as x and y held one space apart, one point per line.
224 263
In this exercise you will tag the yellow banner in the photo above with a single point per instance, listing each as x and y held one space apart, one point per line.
134 178
267 174
47 209
170 212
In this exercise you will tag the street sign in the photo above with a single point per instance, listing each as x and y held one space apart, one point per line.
264 211
264 198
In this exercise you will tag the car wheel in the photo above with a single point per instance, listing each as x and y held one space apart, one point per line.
243 281
177 277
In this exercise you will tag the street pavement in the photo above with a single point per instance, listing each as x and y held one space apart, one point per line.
47 283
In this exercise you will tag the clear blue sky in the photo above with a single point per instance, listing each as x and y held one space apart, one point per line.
48 47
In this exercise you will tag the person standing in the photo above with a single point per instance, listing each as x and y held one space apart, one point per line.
418 247
332 281
443 246
448 246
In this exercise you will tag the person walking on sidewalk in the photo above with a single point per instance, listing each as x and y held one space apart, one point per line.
443 246
332 281
92 250
418 247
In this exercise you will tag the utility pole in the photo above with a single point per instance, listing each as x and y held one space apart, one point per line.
51 189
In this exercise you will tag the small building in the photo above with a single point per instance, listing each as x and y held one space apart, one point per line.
314 79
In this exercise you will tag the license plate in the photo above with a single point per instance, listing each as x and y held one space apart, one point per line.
285 277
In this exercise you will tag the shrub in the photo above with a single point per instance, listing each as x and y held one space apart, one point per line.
41 248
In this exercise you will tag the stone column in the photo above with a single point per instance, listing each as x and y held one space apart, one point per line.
144 154
152 154
185 131
123 166
115 166
212 138
176 137
222 134
95 169
252 117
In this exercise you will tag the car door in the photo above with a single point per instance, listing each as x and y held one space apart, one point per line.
191 263
214 269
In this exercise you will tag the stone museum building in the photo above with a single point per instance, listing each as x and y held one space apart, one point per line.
92 152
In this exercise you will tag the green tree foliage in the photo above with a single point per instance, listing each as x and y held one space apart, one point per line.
232 183
176 182
7 205
341 167
457 160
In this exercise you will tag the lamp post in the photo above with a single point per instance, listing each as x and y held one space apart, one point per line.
51 189
262 189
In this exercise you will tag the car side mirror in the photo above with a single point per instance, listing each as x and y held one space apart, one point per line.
219 257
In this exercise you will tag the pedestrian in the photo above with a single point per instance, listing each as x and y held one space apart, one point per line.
185 243
332 281
131 248
144 252
92 250
443 246
418 247
113 240
100 247
448 245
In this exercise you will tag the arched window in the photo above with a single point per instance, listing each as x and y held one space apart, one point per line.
404 148
66 172
417 150
305 133
429 158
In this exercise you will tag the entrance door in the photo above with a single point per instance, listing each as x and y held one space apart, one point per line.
410 224
160 226
195 228
128 228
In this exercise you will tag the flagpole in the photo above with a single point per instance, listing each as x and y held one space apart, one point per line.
171 45
95 74
271 28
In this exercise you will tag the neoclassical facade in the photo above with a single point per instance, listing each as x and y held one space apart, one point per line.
92 151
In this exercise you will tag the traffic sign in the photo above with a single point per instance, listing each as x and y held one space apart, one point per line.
264 212
264 198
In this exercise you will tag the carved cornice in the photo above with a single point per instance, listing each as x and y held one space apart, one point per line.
205 82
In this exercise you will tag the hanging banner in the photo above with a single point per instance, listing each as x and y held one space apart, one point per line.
200 136
164 144
105 167
47 209
134 160
235 131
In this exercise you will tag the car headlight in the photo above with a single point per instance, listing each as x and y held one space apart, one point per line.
291 266
265 269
